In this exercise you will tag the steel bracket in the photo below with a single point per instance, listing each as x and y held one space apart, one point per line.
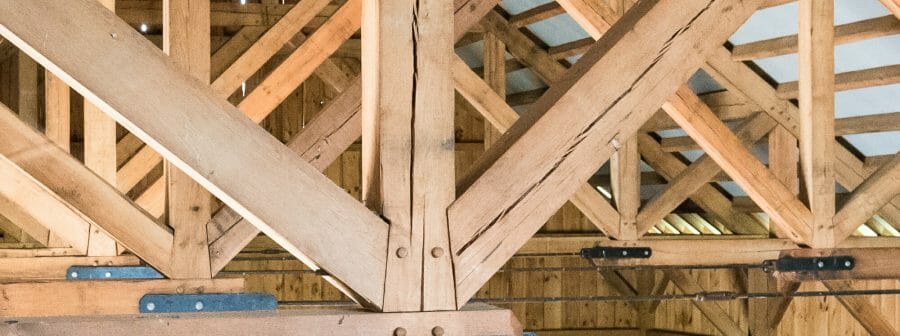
603 252
77 273
812 264
196 303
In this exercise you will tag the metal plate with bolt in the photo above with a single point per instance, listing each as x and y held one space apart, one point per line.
795 264
600 252
192 303
111 273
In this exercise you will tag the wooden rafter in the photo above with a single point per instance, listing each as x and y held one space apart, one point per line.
85 191
870 196
351 247
536 167
893 6
24 201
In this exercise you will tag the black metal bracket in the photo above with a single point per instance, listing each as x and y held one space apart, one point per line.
603 252
810 264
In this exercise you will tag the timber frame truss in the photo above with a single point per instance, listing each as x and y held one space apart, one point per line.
420 241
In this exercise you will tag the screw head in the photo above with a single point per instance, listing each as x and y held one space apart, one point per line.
437 252
402 252
437 331
624 253
151 306
399 332
820 264
646 253
198 305
107 275
74 274
848 263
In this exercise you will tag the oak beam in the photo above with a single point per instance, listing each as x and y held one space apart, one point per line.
725 148
407 136
870 196
477 320
322 141
816 100
535 167
494 110
349 246
267 45
847 33
72 298
893 6
24 200
54 267
100 157
78 186
186 32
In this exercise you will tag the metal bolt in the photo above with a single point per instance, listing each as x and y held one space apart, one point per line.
624 253
437 252
114 35
151 306
399 332
74 274
107 274
402 252
615 143
820 264
646 253
437 331
848 263
198 305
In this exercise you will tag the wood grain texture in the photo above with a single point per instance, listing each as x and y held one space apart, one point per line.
78 186
816 101
193 142
536 167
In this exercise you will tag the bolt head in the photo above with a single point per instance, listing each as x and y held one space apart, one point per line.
199 305
399 332
624 253
402 252
107 275
820 264
151 306
848 263
437 331
437 252
74 274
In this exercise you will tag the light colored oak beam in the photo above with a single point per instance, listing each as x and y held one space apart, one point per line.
84 190
893 6
863 310
186 32
534 168
816 100
847 33
350 247
407 136
36 266
870 196
73 298
725 148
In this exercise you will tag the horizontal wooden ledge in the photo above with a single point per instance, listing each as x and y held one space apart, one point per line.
50 268
476 320
106 297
